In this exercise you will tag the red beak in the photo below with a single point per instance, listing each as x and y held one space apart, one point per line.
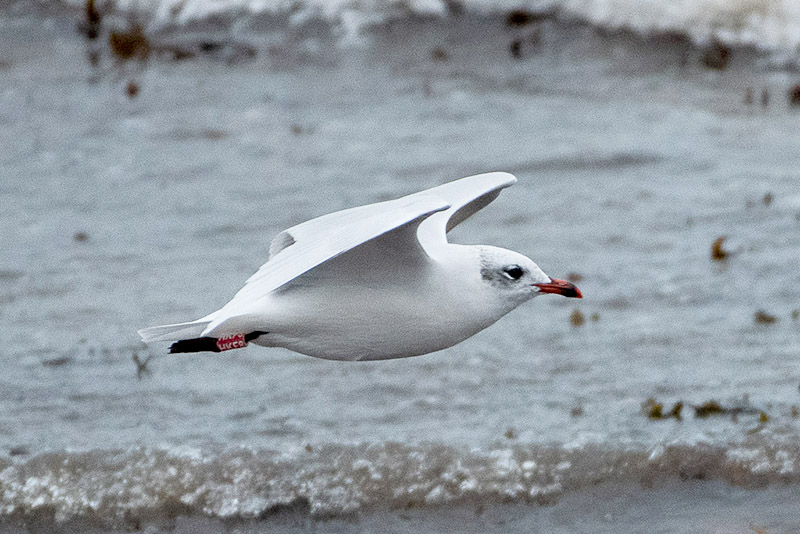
560 287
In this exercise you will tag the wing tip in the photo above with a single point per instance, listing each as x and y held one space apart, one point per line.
146 334
504 178
485 182
171 332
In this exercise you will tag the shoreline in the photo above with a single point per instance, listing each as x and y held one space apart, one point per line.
256 33
668 507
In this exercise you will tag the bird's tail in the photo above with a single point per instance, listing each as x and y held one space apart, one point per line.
174 332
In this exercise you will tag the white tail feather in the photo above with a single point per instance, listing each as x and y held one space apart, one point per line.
174 332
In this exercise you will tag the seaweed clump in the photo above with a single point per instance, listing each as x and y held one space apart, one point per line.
709 408
131 44
80 237
654 410
519 18
717 56
762 317
132 89
717 252
93 21
439 54
794 96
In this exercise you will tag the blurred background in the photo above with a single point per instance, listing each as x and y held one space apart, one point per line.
150 150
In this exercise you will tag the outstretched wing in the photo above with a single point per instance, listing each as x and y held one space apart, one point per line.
306 246
434 211
351 242
466 197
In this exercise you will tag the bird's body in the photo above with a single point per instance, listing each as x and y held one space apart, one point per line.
375 282
351 321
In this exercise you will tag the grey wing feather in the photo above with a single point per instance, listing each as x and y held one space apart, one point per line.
301 248
466 197
304 247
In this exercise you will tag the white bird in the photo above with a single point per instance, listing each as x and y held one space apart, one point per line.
374 282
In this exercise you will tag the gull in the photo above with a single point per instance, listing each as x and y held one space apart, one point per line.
374 282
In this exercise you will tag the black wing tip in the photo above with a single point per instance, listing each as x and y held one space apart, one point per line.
197 344
206 344
253 335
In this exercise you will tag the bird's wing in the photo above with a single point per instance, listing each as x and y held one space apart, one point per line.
466 197
309 245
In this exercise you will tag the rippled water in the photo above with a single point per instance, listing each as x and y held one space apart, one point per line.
119 213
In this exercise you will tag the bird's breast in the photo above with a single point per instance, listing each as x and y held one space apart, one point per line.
372 323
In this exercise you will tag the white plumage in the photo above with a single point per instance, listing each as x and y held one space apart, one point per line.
375 282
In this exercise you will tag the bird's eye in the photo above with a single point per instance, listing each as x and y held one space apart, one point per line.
514 272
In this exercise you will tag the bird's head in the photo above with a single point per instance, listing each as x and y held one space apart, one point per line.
518 278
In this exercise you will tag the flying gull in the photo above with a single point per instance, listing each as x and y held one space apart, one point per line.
374 282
